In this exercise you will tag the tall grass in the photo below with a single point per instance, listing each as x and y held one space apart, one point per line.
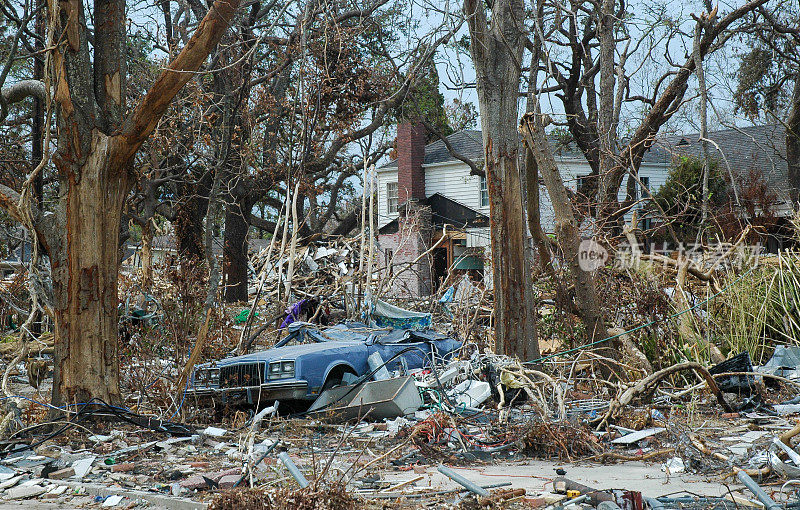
761 310
740 314
784 299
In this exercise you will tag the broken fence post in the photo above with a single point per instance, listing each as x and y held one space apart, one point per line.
473 488
762 496
293 470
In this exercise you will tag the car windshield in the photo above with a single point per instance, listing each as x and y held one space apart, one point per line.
306 333
404 336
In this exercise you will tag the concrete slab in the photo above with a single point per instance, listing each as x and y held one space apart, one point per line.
153 499
537 476
25 491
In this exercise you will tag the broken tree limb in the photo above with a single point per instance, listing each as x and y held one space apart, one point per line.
686 326
702 448
19 91
787 436
631 351
531 128
649 383
196 350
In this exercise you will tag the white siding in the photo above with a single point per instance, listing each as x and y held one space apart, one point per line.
454 181
572 169
384 176
478 237
451 180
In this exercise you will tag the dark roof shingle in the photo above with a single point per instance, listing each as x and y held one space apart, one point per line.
757 148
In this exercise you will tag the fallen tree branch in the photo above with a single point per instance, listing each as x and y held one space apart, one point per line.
20 91
649 383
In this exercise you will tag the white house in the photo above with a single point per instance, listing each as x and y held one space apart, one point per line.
427 174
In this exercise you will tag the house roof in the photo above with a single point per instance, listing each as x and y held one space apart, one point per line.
742 150
469 143
446 210
761 148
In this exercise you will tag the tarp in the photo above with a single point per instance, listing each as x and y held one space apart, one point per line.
469 262
385 315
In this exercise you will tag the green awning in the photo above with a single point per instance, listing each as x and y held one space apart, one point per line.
469 262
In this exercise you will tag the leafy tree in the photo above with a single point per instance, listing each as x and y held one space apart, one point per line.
681 195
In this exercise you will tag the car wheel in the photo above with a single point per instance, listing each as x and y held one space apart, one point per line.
335 377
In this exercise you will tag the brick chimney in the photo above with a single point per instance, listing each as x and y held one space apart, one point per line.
410 156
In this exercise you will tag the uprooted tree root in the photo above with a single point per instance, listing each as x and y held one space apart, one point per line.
329 497
561 440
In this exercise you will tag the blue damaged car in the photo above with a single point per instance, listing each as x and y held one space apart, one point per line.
311 359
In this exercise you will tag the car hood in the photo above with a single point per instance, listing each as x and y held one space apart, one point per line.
288 352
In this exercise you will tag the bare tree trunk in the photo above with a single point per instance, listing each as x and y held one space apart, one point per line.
147 254
190 210
497 55
95 179
701 82
534 212
566 227
37 126
85 279
607 127
532 187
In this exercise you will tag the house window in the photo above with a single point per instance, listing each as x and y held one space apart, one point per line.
391 197
484 192
645 186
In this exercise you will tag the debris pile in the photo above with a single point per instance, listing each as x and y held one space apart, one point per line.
343 399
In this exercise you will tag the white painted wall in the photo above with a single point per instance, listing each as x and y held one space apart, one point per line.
450 179
454 181
384 176
571 169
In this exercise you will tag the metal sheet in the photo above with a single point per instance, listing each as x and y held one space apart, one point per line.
389 398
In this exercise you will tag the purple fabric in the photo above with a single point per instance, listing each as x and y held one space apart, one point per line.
293 313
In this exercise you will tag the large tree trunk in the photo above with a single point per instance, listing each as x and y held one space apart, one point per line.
497 53
94 180
85 269
607 127
190 210
235 251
